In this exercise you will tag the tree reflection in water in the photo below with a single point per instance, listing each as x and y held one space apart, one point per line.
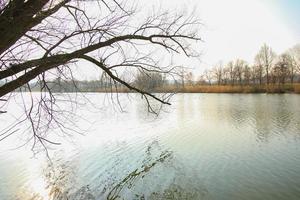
129 180
61 184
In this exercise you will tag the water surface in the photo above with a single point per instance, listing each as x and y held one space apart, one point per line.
204 146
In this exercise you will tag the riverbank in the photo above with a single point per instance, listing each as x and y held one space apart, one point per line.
287 88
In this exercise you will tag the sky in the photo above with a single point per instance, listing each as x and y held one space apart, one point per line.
237 28
290 10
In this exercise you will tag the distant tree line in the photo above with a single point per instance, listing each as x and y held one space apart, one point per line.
150 81
268 68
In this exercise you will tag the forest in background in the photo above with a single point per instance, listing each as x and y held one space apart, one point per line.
270 73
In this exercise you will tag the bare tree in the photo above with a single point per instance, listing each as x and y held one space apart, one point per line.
149 81
247 74
208 76
239 68
44 38
265 58
182 74
267 68
281 69
291 68
189 77
226 76
218 73
258 70
231 72
294 53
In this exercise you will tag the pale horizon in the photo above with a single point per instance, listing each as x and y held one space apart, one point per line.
231 30
237 29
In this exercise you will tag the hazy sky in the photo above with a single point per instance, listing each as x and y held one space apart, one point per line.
237 28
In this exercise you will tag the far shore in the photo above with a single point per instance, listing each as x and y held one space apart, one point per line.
286 88
242 89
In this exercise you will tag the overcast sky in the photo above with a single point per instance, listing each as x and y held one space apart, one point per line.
237 28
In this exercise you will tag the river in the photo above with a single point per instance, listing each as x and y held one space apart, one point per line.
203 146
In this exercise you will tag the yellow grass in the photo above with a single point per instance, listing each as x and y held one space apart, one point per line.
215 89
287 88
297 88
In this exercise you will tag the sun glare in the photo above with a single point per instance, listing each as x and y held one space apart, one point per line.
39 187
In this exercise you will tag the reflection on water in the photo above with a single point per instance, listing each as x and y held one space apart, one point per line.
129 180
59 178
204 146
